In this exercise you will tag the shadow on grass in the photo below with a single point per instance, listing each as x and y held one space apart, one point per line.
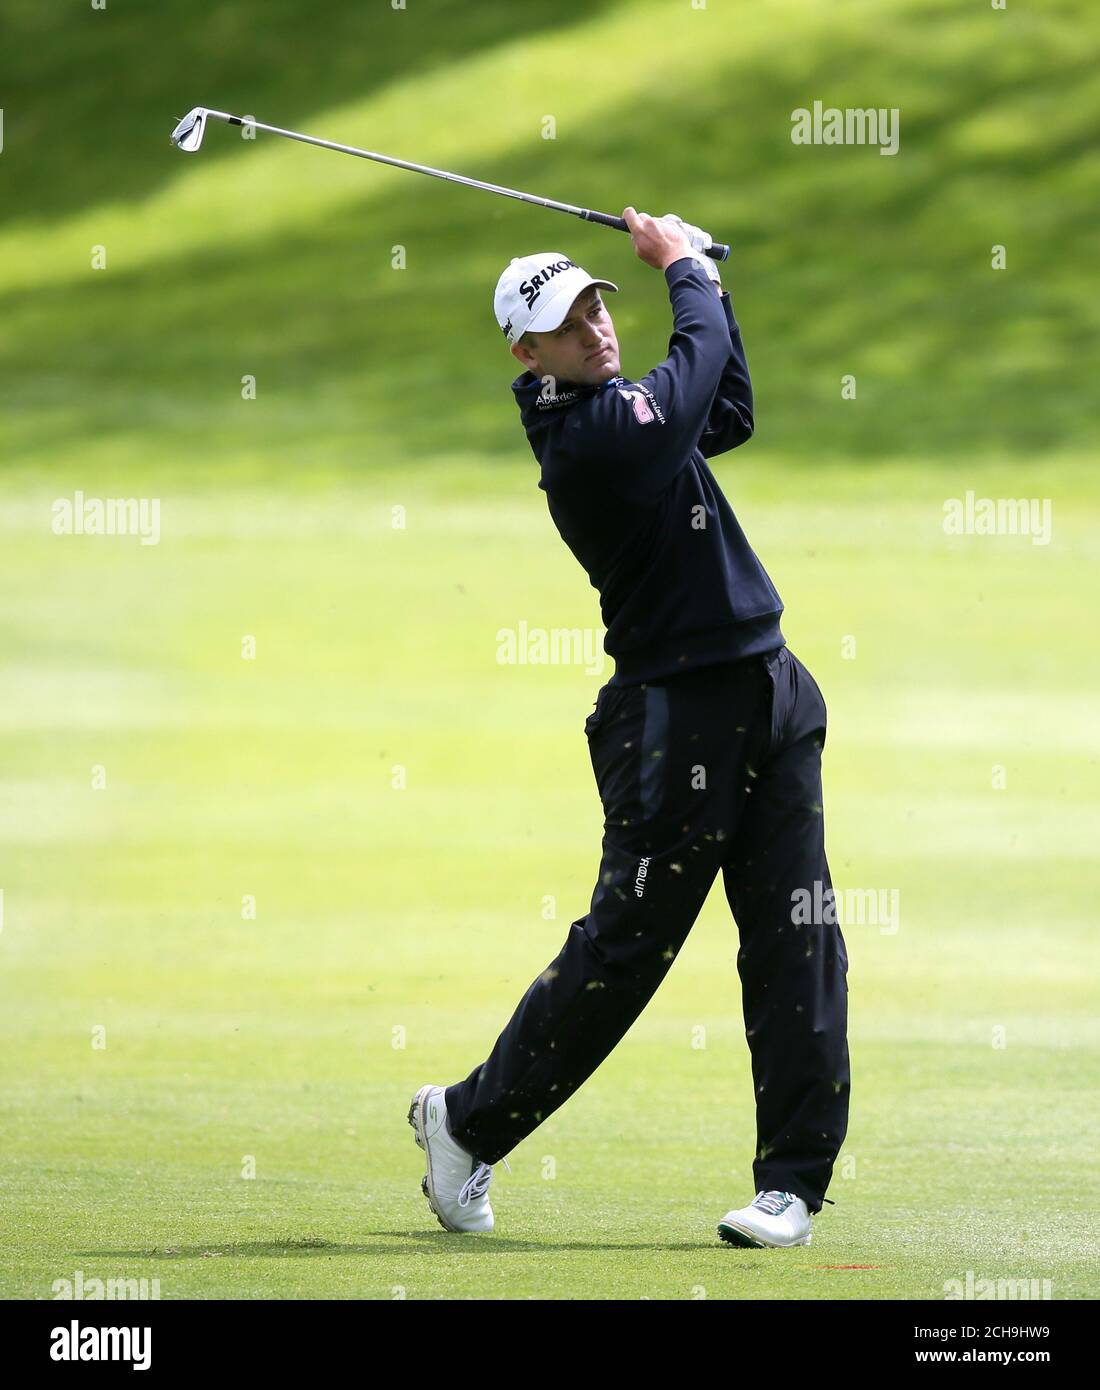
90 105
427 1242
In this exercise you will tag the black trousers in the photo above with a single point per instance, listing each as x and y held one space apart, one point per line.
711 769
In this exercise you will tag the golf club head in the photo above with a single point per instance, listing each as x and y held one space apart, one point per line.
188 134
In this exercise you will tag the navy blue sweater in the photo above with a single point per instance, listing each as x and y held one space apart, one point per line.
626 480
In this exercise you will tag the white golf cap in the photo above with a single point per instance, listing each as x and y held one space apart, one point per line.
535 292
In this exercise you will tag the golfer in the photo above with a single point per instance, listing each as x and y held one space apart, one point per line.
705 744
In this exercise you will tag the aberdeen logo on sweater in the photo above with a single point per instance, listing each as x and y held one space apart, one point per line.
548 399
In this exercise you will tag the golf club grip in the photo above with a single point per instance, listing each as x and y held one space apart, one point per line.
718 252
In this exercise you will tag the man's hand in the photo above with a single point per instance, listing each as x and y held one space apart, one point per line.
700 242
656 240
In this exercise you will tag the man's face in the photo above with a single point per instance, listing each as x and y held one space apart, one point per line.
582 351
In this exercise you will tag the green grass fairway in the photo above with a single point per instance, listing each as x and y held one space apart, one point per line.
159 1042
975 1065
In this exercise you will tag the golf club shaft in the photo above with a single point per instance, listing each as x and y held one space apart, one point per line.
717 251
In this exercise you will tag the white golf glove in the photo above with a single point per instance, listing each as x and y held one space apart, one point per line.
700 242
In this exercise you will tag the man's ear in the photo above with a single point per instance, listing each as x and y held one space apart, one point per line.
525 357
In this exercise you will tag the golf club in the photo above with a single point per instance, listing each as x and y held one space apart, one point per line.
188 136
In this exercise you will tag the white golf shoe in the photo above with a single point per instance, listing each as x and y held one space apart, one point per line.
456 1183
771 1220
